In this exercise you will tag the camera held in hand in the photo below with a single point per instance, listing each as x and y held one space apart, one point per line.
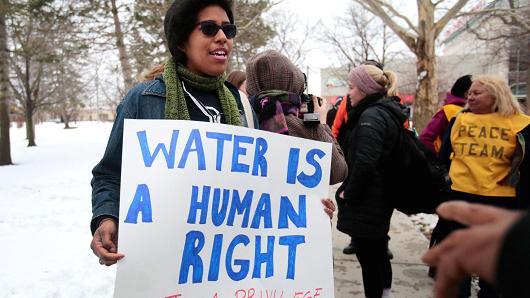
307 109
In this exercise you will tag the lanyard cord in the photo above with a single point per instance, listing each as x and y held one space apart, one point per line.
211 117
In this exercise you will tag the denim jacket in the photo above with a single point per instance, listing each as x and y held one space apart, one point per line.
146 100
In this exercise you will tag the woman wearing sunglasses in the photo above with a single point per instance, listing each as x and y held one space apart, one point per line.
189 86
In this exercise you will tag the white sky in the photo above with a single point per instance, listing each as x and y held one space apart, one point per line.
315 10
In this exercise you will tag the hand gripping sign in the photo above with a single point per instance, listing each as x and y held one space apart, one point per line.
210 210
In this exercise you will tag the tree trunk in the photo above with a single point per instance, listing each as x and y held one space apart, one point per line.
426 101
29 106
30 126
5 142
126 69
422 43
66 120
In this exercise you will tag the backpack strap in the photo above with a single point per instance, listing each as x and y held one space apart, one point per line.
392 115
244 106
247 109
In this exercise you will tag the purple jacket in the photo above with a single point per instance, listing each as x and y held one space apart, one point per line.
439 122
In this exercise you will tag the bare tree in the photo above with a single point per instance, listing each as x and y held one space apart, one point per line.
120 44
105 31
139 35
69 100
291 36
5 142
359 36
505 27
41 35
148 46
513 15
420 39
110 22
253 33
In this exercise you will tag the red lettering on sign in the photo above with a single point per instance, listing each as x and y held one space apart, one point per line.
308 294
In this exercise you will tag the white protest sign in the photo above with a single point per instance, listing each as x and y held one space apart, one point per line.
210 210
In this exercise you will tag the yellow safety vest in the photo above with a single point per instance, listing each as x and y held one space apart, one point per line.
450 111
483 148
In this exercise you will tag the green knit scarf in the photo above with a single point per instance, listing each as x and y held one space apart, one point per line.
176 102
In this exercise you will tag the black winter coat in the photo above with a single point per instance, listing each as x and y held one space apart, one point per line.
366 208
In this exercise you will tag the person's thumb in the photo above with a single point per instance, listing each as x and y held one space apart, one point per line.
108 242
471 214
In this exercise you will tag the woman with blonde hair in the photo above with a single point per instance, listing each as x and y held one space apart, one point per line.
364 202
486 147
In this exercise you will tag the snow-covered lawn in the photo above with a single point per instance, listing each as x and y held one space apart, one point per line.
45 203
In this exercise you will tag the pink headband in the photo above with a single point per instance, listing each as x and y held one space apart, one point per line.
360 78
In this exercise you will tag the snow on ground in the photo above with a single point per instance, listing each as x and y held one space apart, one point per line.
425 223
45 200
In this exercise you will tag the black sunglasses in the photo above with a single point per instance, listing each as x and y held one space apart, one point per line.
210 29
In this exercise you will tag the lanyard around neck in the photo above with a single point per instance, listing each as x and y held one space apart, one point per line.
211 117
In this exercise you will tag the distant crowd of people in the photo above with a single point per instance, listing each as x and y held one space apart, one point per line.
480 134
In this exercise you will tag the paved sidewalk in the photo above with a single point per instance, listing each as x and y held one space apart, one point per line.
410 278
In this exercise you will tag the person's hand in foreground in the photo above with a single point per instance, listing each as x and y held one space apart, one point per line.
329 207
105 242
473 250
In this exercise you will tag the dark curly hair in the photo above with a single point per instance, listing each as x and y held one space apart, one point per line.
181 19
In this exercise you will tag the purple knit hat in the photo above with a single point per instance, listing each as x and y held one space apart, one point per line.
364 81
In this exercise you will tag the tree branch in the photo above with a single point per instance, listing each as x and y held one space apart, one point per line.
397 14
502 13
258 16
339 45
374 7
439 26
438 2
18 96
